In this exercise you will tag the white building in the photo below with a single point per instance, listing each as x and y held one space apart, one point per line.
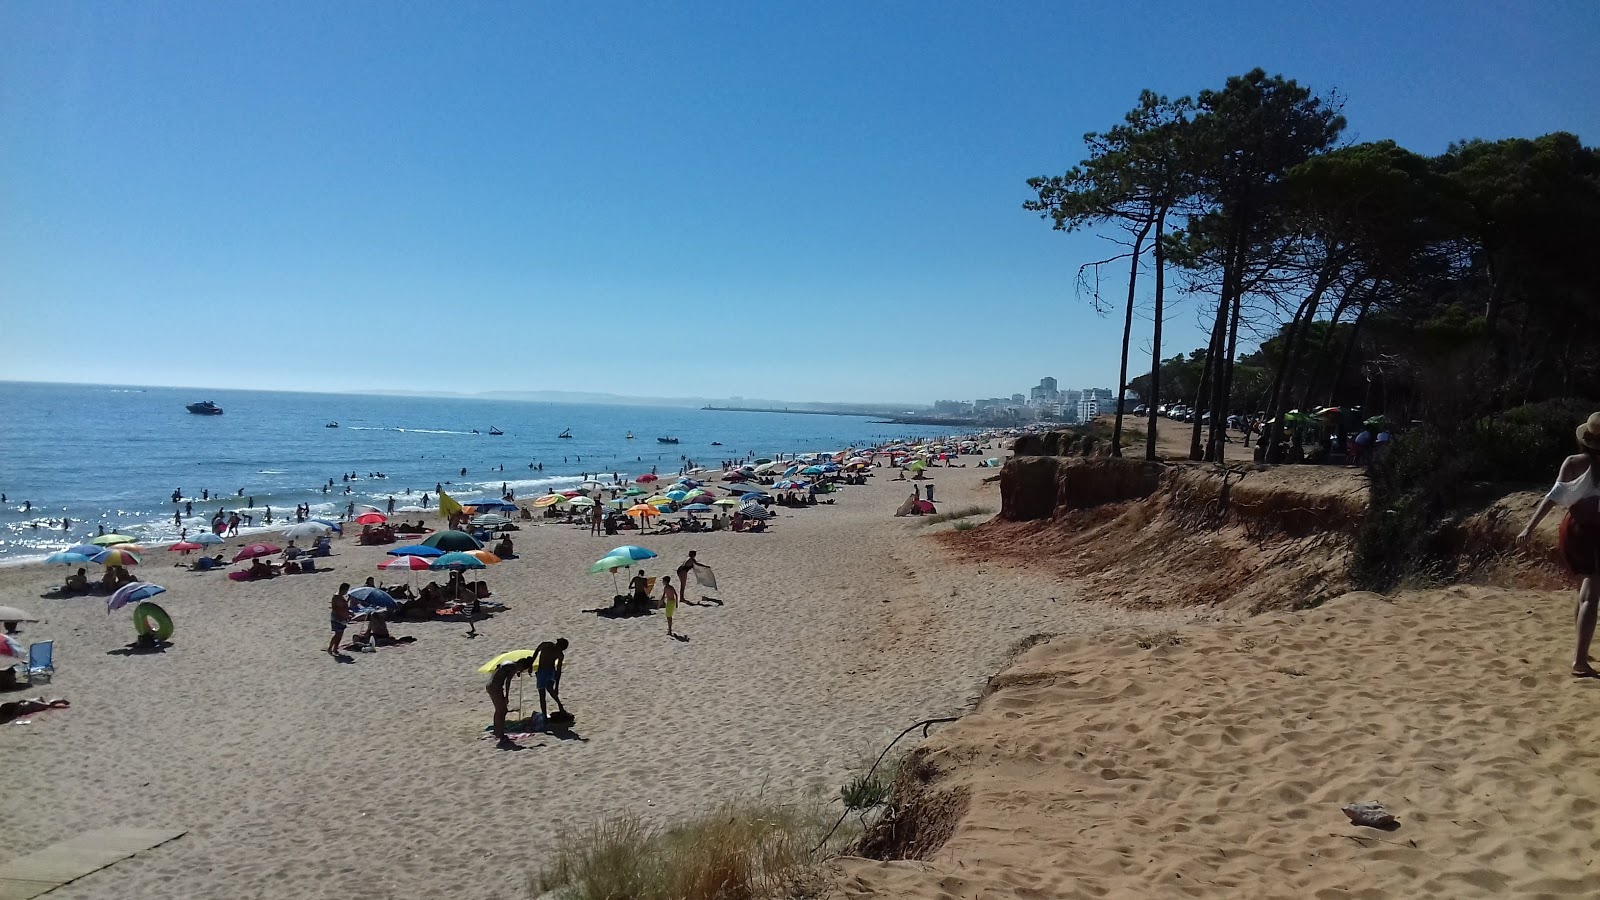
1088 408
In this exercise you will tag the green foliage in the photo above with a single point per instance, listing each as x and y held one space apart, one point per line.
965 526
1429 474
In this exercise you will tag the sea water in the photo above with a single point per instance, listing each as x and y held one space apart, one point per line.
111 457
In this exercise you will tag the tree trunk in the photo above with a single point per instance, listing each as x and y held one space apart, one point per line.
1283 379
1213 353
1154 399
1227 332
1350 345
1127 334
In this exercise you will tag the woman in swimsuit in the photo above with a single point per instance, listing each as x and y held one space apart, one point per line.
1578 489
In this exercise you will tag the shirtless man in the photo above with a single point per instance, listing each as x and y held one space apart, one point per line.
338 617
548 676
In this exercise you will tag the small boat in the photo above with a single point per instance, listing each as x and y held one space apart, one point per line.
494 430
716 443
630 435
474 431
667 440
565 434
331 425
204 408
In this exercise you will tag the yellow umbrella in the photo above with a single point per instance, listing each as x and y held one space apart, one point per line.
110 540
549 500
508 656
657 501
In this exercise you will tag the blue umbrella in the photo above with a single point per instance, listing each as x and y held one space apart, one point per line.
328 522
697 507
751 495
810 470
791 470
209 538
85 550
482 505
416 550
132 593
632 552
368 599
458 561
68 558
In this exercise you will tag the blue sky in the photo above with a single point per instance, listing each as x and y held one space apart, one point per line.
806 201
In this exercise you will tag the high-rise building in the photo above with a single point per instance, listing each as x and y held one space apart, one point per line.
1088 408
1048 384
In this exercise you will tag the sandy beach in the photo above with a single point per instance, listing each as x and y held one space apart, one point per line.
300 776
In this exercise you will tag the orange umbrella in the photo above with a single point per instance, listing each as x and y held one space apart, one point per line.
484 557
643 511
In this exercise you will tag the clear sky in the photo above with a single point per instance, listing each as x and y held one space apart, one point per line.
812 201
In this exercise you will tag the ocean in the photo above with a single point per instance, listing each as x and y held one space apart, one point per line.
112 456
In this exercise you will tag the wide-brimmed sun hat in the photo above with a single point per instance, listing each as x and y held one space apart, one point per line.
1589 433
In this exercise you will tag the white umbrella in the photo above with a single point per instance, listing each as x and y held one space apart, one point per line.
581 500
306 531
490 519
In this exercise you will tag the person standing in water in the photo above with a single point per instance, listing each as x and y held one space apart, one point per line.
1577 488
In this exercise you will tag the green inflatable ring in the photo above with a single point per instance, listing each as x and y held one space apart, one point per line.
151 619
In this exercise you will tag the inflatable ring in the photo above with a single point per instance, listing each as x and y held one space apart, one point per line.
151 619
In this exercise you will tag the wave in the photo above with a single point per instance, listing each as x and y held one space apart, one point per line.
407 430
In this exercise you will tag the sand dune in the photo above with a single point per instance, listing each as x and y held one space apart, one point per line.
1212 762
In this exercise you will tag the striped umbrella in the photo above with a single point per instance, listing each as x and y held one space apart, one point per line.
132 593
117 556
755 511
549 500
406 564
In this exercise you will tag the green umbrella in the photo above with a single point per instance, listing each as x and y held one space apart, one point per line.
452 541
111 540
611 564
634 491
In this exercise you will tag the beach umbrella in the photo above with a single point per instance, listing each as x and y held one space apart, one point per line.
411 509
763 461
490 520
10 647
452 540
658 501
675 496
611 561
256 550
68 558
306 531
484 557
184 547
697 507
508 656
643 511
918 466
132 593
371 518
117 556
458 561
549 500
208 539
688 482
811 470
111 540
405 564
646 478
570 494
633 491
12 614
632 552
85 550
618 503
371 598
416 550
581 501
755 511
331 524
491 505
726 501
791 470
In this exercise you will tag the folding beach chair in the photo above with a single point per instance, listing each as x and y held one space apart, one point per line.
41 661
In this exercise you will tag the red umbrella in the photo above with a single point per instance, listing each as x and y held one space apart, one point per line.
409 563
371 518
646 479
185 546
255 550
570 493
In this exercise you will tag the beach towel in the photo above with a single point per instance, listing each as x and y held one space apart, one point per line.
704 576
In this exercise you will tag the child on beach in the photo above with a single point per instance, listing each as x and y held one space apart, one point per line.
669 601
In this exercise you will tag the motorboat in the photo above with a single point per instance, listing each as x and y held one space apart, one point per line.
204 408
667 440
565 434
494 430
716 443
630 435
331 425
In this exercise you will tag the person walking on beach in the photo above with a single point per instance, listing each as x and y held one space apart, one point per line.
551 656
499 690
1577 488
338 617
669 601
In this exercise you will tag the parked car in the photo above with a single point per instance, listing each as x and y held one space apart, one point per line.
1141 410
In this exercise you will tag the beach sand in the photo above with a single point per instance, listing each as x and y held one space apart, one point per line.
299 776
1213 761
